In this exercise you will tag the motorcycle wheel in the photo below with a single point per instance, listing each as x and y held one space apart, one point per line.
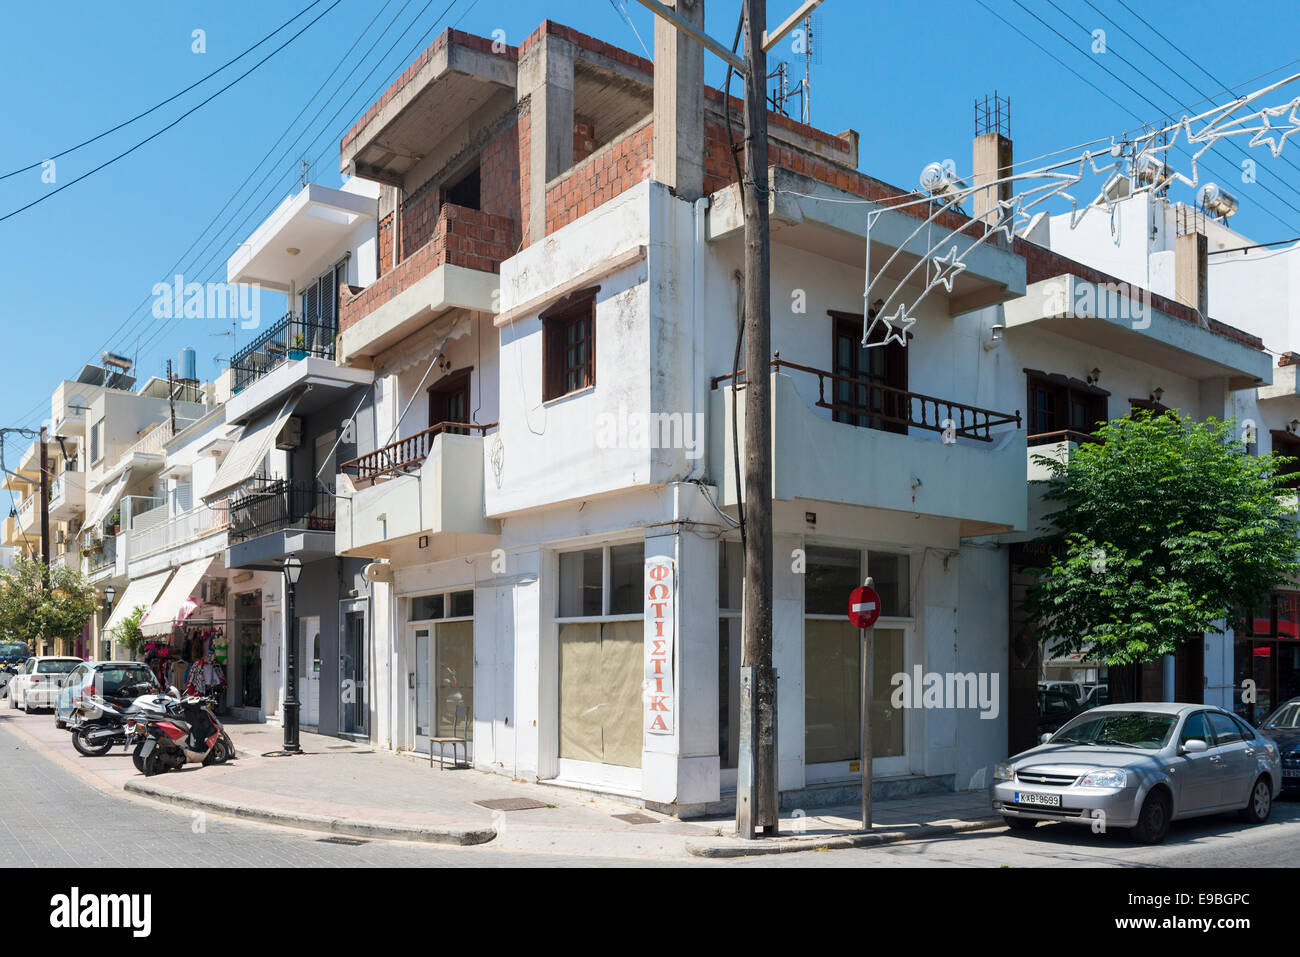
218 754
84 747
136 759
151 765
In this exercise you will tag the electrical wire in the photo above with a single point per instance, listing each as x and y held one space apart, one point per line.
161 103
153 136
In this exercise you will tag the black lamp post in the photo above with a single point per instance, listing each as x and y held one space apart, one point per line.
109 594
292 571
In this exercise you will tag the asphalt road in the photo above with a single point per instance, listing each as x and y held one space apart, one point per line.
50 816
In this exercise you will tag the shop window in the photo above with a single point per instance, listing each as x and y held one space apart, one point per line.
890 572
829 576
602 662
569 345
454 667
832 689
1059 405
602 668
456 604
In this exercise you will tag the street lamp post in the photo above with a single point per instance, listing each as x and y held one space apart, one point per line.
109 594
292 571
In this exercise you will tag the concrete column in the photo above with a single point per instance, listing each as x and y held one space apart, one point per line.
787 658
679 103
1168 679
991 156
546 79
682 769
1191 284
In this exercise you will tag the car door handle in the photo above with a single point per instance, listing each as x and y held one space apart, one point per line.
1215 759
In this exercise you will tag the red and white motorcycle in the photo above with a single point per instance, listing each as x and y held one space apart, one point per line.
188 734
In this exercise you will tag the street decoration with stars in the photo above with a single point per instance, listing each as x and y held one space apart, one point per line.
1141 161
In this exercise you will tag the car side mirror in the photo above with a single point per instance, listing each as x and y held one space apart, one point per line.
1045 738
1193 746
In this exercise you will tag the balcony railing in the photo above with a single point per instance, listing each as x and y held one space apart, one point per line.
1062 435
267 505
178 530
293 337
406 455
103 554
885 405
152 442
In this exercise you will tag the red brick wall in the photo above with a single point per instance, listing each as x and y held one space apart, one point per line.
462 237
419 217
500 178
584 138
611 170
385 243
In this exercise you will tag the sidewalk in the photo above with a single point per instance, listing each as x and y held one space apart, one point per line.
351 789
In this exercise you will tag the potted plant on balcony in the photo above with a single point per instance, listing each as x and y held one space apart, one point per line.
115 522
299 348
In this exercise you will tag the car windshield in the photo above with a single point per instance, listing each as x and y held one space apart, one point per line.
59 666
1134 729
1285 718
13 649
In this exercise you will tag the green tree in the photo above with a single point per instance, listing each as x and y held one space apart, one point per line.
1169 526
31 610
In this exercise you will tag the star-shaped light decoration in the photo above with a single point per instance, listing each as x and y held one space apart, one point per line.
947 268
897 325
1275 143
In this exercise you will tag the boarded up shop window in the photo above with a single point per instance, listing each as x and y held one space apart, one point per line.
602 661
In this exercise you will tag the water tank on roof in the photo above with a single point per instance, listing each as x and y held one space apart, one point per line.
188 364
1217 201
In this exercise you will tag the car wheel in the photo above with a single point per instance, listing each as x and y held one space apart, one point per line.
1020 823
60 723
27 706
1260 805
1153 821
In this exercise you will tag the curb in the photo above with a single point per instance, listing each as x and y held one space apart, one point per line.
464 835
796 845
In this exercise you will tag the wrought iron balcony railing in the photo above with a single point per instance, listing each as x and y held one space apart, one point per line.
293 337
867 403
266 505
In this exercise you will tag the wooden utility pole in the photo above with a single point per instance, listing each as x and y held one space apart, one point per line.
756 790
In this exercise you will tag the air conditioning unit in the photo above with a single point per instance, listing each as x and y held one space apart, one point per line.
290 436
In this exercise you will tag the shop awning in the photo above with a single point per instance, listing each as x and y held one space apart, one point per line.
108 500
245 460
141 591
165 611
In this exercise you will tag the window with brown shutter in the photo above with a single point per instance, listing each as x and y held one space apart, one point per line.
569 345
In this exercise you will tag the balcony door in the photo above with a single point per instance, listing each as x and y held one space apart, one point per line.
449 400
865 378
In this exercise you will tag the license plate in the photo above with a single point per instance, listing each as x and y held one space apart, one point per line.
1291 772
1033 797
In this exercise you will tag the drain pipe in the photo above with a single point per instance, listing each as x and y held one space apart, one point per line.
699 395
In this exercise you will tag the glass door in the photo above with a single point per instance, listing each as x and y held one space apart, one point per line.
354 710
419 684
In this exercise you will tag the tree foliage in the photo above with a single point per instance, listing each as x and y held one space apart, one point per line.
128 633
1169 527
31 610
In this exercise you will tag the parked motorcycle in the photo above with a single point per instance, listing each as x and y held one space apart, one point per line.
188 734
99 724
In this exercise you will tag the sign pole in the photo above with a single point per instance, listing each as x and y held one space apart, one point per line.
868 676
864 609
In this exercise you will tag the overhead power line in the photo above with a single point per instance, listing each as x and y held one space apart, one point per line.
160 104
173 123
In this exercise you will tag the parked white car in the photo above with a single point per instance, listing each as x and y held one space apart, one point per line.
38 681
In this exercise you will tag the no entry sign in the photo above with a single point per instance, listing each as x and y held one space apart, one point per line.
864 607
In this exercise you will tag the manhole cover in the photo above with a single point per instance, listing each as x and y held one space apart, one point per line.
635 818
345 841
511 804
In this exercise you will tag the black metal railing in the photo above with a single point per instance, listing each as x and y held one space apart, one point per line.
266 505
1063 435
408 454
872 404
293 337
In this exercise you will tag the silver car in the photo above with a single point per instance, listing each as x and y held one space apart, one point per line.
1140 766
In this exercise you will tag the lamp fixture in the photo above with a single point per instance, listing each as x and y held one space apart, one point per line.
292 569
1094 376
1157 394
995 337
1293 425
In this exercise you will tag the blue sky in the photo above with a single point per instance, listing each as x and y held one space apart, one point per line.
77 266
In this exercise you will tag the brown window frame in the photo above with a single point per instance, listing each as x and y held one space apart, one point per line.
894 376
1292 441
1065 391
575 310
457 382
